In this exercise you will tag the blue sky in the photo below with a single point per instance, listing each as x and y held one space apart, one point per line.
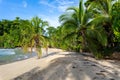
48 10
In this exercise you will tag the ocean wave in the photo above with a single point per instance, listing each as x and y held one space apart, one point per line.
6 52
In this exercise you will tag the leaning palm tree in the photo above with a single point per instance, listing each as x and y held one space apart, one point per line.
33 35
38 39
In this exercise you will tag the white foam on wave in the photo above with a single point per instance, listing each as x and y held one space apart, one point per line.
7 51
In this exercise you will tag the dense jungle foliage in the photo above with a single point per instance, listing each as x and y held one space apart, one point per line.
93 26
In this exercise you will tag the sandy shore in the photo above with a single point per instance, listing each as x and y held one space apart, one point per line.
59 65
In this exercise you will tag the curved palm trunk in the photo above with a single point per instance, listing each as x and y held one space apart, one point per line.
47 50
39 52
83 41
110 34
38 46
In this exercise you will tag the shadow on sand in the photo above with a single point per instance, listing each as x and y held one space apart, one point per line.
71 67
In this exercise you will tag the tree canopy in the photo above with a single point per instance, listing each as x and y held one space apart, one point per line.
93 26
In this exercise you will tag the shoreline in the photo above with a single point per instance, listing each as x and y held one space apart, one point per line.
17 56
60 65
16 60
23 56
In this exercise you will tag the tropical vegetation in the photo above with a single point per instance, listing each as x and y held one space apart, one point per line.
93 26
23 33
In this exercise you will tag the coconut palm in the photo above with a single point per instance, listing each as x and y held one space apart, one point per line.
102 11
70 24
81 20
38 39
35 35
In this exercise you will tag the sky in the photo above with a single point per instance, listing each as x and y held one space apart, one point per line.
48 10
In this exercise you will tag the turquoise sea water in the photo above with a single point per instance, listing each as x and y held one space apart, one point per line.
12 55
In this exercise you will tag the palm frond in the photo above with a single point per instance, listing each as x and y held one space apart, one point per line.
97 33
69 36
100 19
81 11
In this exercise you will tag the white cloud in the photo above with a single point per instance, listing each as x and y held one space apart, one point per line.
62 8
51 11
60 5
25 4
44 2
65 2
53 21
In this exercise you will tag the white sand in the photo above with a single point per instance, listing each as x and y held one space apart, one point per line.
59 65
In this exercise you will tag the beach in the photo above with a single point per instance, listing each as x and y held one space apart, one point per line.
61 65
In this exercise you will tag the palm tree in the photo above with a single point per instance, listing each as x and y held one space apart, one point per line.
33 34
75 20
102 11
81 20
78 20
38 39
26 34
